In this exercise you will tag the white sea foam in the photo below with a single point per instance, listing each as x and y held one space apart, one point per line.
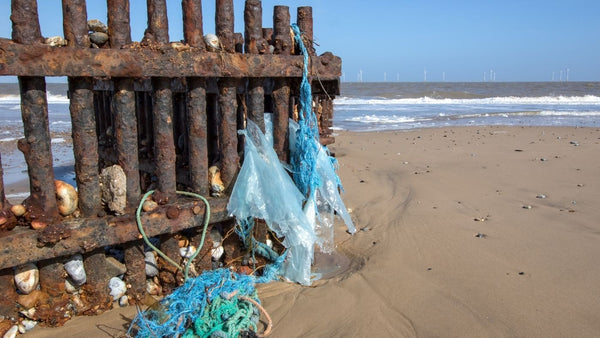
508 100
52 98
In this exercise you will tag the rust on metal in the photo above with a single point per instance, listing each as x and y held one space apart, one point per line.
136 270
224 24
158 24
164 146
281 88
54 311
255 44
89 234
8 293
75 23
170 276
119 30
228 138
34 111
192 23
305 23
96 289
81 107
43 60
197 136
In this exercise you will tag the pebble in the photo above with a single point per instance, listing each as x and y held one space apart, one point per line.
114 268
75 269
18 210
56 41
480 235
151 266
187 252
124 301
118 288
12 332
98 38
527 207
95 25
27 277
542 196
71 286
29 324
575 143
216 184
149 205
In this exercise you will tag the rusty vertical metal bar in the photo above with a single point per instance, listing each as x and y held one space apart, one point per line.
197 136
85 149
96 287
158 24
305 23
192 23
85 142
196 102
3 202
227 96
125 126
136 270
34 111
8 294
119 30
224 24
255 44
281 89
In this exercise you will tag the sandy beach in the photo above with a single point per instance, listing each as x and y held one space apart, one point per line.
464 232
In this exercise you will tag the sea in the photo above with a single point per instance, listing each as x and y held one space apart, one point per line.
368 106
361 107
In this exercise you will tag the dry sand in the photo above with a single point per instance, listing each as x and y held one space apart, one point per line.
417 267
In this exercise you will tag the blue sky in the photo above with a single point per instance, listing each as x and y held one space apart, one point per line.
404 40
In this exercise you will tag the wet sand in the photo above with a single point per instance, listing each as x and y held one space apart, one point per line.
454 240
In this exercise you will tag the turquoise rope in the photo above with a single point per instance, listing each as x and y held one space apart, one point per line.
157 250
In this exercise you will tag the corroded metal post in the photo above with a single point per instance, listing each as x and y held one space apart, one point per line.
8 293
305 23
228 138
85 149
34 111
125 123
255 44
196 97
281 89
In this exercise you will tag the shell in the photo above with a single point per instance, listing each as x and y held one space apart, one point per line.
152 288
56 41
187 252
113 184
76 270
212 42
27 277
29 324
216 184
217 252
12 332
151 266
66 198
118 288
18 210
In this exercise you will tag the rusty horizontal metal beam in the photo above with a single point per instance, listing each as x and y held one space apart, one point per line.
43 60
86 235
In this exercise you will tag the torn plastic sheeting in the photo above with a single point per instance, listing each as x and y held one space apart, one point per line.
264 190
326 196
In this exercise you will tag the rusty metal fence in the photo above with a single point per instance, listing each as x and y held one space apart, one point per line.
164 112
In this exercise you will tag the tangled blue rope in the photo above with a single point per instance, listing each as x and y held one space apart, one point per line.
304 159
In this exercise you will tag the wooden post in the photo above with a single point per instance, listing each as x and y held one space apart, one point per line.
281 89
34 111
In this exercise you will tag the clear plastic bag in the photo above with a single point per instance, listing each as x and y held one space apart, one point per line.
264 190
